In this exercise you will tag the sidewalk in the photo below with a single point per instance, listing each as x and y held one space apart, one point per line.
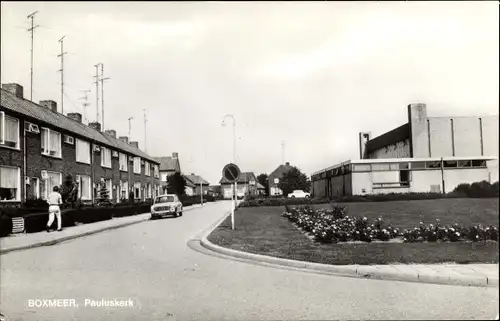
481 275
23 241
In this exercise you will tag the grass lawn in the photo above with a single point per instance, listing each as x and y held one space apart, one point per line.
262 230
408 214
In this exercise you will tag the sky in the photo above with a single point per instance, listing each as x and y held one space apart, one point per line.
311 74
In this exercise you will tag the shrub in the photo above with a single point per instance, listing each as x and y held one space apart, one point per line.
37 222
5 226
477 189
334 225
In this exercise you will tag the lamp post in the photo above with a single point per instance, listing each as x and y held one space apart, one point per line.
234 151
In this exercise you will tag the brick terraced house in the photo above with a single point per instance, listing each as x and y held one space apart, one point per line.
40 146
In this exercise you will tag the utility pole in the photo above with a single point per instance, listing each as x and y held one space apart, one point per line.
97 91
102 92
62 73
283 152
145 131
85 103
130 127
32 30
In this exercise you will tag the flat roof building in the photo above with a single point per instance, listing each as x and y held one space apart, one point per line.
427 154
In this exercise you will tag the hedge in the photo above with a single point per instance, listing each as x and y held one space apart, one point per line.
475 190
35 219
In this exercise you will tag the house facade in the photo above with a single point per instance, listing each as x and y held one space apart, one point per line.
201 186
274 179
39 147
246 185
427 154
169 165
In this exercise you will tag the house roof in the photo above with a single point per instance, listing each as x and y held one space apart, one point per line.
392 137
244 177
39 113
190 184
278 172
260 186
167 163
195 179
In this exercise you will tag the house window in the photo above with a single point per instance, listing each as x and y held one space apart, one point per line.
157 172
433 164
123 162
9 131
418 165
361 168
105 157
84 187
124 190
137 190
149 191
137 165
450 164
10 182
82 151
33 189
147 169
51 143
381 167
109 187
465 163
53 179
478 163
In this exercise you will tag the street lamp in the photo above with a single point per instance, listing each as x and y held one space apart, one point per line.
234 150
234 132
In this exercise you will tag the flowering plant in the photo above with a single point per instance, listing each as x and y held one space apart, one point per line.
334 225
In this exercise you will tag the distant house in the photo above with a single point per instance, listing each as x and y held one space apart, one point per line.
246 184
169 165
215 190
201 186
274 178
190 188
261 189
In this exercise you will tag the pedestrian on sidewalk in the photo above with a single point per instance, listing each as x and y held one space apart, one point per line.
54 200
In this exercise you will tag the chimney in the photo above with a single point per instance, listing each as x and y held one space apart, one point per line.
75 116
15 89
175 155
111 132
287 164
50 104
95 125
124 139
135 144
192 174
364 138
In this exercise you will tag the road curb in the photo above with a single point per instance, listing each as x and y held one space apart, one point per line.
75 236
360 271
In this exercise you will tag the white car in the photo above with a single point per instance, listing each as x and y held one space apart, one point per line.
299 194
166 205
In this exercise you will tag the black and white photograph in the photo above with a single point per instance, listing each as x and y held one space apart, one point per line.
249 160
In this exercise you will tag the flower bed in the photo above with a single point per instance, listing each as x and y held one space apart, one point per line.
334 225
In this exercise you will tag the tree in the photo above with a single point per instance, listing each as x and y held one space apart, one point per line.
294 179
69 192
263 180
103 198
176 184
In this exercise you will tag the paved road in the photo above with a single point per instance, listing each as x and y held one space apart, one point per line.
152 264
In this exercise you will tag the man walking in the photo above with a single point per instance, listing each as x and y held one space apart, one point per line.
54 200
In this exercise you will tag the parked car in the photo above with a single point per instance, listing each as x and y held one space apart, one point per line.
299 194
166 205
